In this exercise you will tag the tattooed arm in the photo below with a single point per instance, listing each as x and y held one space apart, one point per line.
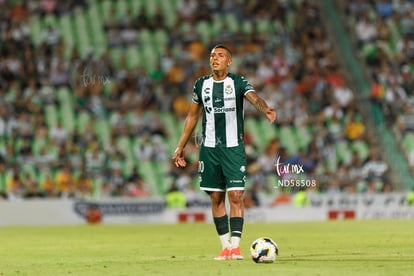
261 106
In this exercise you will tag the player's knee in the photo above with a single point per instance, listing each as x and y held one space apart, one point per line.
217 198
236 197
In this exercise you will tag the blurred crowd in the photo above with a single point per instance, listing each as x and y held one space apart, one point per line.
384 34
291 64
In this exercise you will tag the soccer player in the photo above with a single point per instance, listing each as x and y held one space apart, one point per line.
219 98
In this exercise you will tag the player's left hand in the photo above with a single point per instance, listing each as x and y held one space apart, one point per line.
271 114
178 158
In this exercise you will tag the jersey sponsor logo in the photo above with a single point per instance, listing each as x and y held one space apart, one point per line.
224 109
207 90
230 99
217 100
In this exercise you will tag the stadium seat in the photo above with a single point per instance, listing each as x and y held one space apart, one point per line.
64 95
133 57
116 55
82 32
303 136
168 121
216 25
269 130
408 141
95 22
82 119
102 129
124 144
160 41
232 22
290 23
168 10
67 34
105 7
150 7
247 27
121 7
3 140
395 34
127 167
37 144
203 31
252 127
51 115
150 57
51 20
4 178
35 29
147 170
135 6
31 170
343 151
287 138
65 108
264 26
161 169
361 148
145 38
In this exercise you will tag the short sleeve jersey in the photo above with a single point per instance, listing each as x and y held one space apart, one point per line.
223 116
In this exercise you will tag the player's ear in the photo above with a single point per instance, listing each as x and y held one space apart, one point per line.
229 62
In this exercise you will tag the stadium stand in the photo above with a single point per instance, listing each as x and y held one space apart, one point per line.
98 90
388 56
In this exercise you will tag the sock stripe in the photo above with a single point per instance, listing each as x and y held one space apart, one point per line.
236 226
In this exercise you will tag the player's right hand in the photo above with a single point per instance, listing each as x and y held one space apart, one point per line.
271 114
178 158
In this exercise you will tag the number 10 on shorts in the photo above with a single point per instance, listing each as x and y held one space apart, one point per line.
200 166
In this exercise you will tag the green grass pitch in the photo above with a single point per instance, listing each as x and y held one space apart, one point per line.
375 247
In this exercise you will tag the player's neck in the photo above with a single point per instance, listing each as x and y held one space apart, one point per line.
219 75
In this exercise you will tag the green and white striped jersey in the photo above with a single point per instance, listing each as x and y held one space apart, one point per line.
223 116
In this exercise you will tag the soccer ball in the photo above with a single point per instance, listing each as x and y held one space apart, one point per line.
264 250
